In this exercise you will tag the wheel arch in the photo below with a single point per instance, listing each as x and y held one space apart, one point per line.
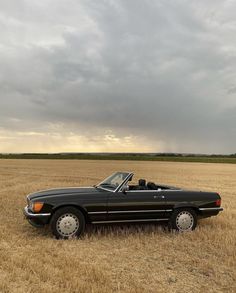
78 207
187 205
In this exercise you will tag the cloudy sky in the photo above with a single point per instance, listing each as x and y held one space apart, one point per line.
118 75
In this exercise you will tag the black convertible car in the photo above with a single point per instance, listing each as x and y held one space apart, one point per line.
117 200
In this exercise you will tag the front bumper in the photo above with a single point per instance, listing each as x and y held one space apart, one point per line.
40 219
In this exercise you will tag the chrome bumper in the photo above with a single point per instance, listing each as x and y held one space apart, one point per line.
219 209
32 215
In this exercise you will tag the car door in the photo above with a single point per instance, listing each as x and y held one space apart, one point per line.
136 205
96 205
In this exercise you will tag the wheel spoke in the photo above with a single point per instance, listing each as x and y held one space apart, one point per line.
184 221
67 225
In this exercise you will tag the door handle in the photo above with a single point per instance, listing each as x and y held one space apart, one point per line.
159 196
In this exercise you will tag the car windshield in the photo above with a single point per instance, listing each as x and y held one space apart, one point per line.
113 181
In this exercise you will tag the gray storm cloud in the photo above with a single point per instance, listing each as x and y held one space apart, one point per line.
159 72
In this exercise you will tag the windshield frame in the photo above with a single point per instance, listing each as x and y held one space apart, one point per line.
129 174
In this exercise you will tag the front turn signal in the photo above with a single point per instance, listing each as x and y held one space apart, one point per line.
37 206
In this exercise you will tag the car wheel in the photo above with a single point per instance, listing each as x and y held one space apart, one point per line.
182 220
67 223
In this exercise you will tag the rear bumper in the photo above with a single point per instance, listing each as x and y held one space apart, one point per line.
208 212
219 209
40 219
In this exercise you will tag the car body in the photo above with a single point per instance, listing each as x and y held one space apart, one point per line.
117 200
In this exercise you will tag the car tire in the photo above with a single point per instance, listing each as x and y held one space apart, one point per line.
183 220
67 222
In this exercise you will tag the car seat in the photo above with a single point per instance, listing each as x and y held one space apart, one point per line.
151 186
142 184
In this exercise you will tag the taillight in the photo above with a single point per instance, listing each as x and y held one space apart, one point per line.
218 202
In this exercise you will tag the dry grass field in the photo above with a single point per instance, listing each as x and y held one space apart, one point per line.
127 258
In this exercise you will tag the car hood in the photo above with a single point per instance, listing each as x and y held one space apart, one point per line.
62 191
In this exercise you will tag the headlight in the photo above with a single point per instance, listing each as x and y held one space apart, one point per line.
36 206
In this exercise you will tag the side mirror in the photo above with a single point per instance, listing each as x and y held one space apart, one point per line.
125 188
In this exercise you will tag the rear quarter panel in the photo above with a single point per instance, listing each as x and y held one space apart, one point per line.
185 198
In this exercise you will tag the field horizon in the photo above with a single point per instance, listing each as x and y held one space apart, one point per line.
116 258
168 157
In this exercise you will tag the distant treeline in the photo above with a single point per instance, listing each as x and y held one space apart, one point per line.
175 157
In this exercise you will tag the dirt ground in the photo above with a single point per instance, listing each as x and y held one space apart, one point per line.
118 258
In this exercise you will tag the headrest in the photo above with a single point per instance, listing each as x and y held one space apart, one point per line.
142 182
151 185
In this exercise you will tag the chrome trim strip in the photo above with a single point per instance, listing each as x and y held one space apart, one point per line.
27 213
130 211
153 190
211 209
143 190
167 190
138 211
129 221
93 213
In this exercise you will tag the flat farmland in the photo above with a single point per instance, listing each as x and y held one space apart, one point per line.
118 258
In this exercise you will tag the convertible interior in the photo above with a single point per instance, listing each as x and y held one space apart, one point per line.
143 185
